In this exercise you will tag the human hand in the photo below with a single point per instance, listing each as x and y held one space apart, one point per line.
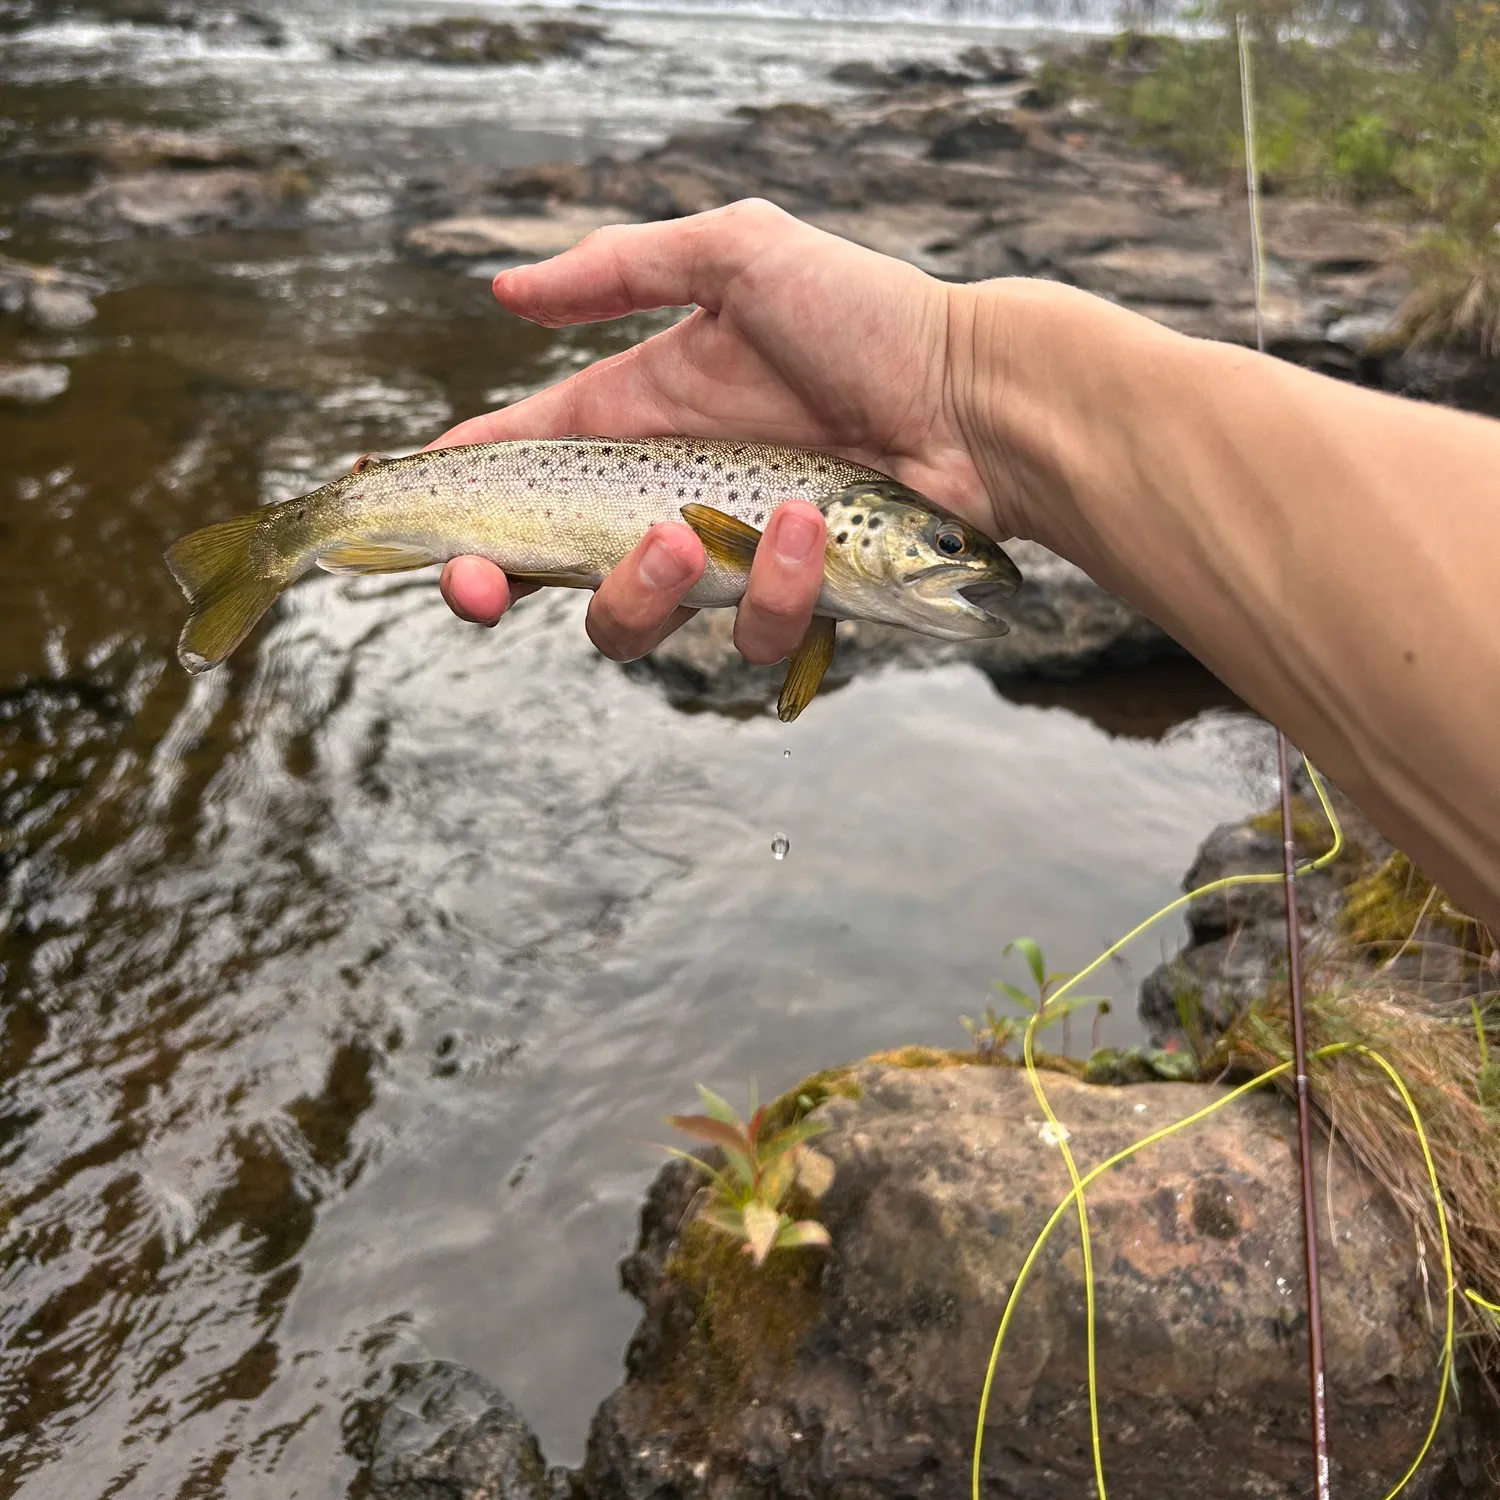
797 337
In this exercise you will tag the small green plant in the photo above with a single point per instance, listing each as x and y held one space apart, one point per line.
762 1166
996 1032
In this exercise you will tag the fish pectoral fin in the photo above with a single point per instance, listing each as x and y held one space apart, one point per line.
804 672
374 557
725 538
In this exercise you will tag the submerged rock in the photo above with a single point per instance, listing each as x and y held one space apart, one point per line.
49 298
32 385
859 1373
1061 624
184 202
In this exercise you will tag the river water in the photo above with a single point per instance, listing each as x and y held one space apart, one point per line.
344 990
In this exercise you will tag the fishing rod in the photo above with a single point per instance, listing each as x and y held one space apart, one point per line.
1316 1368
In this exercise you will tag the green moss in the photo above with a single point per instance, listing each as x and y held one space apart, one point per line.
746 1321
840 1082
1386 906
1309 826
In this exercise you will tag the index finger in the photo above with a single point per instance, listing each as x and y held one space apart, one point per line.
626 268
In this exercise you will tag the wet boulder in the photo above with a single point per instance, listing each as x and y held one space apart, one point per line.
184 202
858 1372
509 236
475 40
445 1433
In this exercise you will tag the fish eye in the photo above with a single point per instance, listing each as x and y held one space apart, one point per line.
950 539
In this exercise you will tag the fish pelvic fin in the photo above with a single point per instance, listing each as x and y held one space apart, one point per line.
226 593
374 557
725 538
804 672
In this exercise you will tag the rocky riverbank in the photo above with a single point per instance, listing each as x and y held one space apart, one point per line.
859 1373
964 174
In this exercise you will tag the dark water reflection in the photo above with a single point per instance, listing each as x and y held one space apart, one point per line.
342 991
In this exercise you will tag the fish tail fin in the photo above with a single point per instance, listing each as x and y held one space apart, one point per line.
226 594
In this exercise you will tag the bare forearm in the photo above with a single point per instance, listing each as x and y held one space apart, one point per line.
1330 552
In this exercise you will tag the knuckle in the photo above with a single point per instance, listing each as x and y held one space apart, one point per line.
758 213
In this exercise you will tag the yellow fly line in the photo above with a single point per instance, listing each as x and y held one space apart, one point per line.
1080 1181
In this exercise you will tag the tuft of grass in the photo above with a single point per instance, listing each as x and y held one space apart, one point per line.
1456 295
1450 1079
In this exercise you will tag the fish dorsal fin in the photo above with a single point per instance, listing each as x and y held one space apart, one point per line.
804 672
725 538
374 557
368 461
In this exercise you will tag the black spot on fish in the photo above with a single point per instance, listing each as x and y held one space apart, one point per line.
843 537
643 489
752 471
760 518
856 520
433 490
531 484
548 514
702 458
696 494
865 543
733 495
681 493
874 523
802 479
822 468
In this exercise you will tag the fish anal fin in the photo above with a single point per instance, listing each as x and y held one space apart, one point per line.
805 669
368 461
556 580
374 557
728 540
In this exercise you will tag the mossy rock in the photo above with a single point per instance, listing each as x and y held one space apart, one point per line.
746 1319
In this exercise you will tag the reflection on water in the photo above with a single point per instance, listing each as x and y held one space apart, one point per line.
342 991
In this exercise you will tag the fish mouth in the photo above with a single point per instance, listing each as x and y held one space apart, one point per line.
962 608
986 595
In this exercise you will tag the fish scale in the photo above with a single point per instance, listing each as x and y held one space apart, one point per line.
565 511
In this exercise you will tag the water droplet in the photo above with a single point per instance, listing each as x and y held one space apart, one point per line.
779 845
786 754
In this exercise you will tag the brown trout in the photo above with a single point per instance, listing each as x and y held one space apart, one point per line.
565 510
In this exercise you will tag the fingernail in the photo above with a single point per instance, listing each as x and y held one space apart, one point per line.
661 567
796 537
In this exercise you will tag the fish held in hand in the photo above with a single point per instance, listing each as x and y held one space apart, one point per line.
564 511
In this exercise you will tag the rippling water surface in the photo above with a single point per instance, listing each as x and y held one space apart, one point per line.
342 992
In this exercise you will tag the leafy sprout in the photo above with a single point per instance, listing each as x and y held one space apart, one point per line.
996 1032
761 1167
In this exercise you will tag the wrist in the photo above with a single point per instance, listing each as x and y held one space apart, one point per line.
1051 399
